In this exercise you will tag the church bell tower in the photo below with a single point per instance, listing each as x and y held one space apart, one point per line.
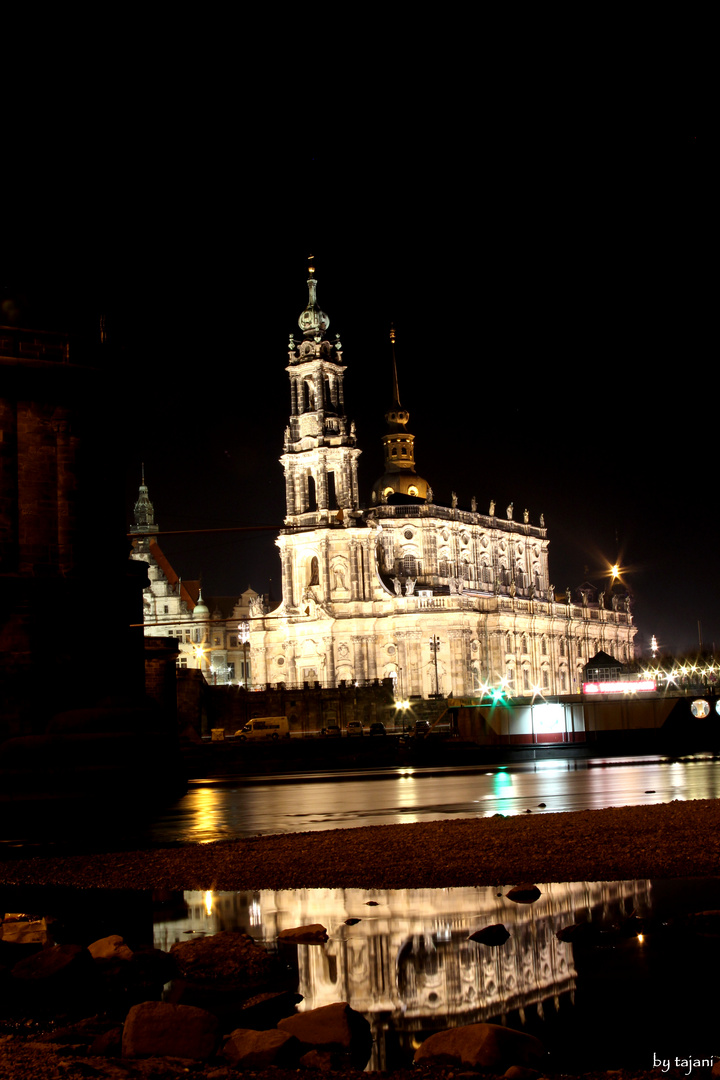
320 456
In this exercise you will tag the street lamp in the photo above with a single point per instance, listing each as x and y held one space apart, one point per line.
244 637
434 646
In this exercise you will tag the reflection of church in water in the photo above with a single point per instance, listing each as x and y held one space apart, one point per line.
407 962
441 599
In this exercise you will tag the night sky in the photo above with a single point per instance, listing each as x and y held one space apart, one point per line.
550 286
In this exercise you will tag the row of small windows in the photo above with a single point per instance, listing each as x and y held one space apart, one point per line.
620 649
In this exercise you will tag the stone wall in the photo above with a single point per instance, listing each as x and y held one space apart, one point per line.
308 710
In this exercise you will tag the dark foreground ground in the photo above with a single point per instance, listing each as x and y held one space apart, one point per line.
678 839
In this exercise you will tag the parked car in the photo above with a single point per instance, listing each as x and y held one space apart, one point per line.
354 728
332 731
377 728
421 727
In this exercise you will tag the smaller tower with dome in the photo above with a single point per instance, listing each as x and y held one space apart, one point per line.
399 477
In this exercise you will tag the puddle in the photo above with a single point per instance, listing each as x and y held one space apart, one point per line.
635 990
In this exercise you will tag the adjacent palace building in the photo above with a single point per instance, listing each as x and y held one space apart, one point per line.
439 599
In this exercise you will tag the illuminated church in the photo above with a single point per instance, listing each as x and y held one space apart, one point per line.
440 599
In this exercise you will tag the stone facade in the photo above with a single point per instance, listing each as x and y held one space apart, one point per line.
443 600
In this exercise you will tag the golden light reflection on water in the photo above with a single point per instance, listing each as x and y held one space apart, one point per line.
208 809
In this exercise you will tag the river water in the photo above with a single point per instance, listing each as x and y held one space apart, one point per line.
249 806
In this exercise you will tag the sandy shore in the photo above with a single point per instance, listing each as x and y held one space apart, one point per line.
675 839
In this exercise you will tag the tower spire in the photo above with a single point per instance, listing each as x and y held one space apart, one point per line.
313 322
399 477
396 417
144 513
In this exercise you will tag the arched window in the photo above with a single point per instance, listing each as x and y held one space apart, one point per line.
524 644
562 646
314 571
543 646
410 565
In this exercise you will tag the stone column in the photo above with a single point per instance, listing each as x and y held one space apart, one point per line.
370 574
287 577
293 396
301 491
372 666
289 490
415 661
359 659
321 485
330 677
66 509
325 570
354 482
457 680
258 665
354 575
403 661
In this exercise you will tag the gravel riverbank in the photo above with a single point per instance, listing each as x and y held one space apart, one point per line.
675 839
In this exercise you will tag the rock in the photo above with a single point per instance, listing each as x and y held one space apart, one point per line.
496 934
488 1046
152 966
314 934
230 957
82 1033
331 1027
525 893
248 1049
112 947
520 1072
57 977
326 1061
109 1044
351 922
22 931
141 978
264 1011
157 1029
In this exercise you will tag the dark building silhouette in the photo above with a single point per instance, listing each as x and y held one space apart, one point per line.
62 532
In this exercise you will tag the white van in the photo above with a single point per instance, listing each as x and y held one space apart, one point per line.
265 727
